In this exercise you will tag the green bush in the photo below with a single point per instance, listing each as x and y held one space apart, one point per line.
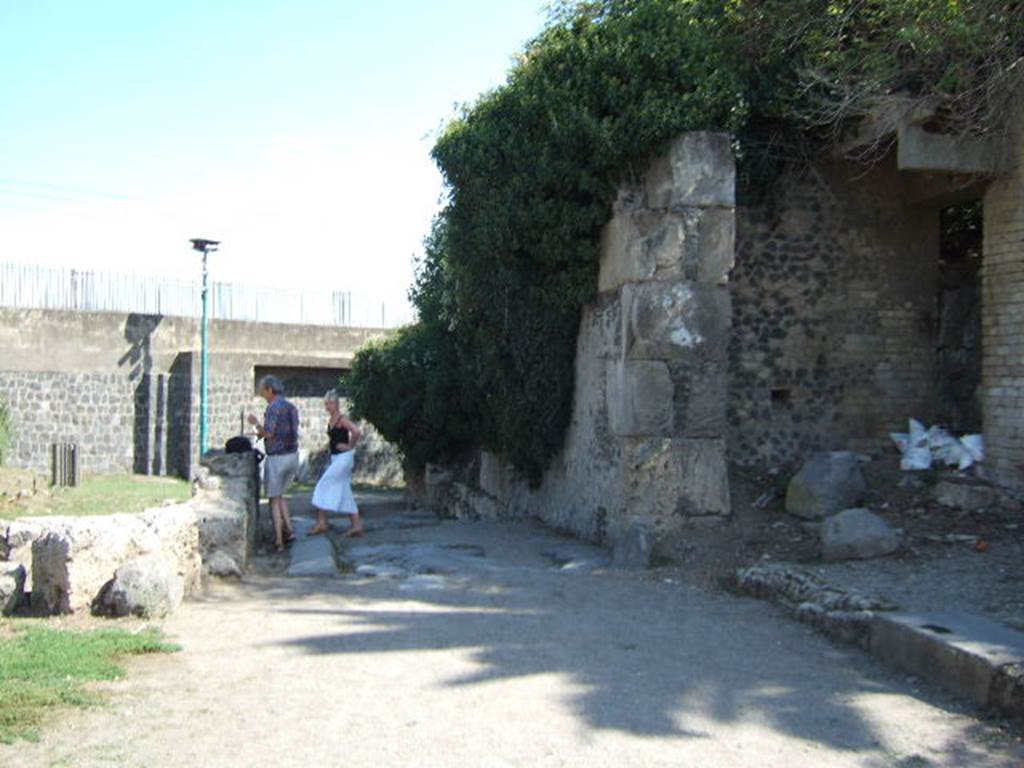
533 167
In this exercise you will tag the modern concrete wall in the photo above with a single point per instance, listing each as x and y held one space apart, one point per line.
126 387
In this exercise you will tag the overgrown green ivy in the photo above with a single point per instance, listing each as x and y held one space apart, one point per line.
532 169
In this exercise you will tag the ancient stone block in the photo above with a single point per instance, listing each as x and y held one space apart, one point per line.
716 245
143 586
697 169
623 259
226 506
640 398
670 480
856 534
76 557
676 321
826 483
600 333
700 395
12 587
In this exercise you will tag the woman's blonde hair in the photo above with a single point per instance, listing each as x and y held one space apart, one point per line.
332 395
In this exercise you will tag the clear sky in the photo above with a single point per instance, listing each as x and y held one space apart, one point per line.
295 131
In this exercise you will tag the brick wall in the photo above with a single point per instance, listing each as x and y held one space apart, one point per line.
1003 320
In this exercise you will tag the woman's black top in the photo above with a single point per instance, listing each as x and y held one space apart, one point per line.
337 435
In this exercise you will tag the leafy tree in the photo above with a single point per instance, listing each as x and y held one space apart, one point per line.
532 169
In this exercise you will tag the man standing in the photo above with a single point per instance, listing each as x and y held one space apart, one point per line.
280 433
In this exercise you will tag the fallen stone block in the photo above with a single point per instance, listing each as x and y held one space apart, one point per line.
970 497
144 586
16 537
826 483
12 587
858 534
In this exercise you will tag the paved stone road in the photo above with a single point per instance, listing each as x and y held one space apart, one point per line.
517 649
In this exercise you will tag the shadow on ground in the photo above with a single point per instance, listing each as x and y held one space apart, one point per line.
637 655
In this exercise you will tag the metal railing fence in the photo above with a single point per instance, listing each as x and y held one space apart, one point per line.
26 286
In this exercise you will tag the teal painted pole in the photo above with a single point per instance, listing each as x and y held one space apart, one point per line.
204 375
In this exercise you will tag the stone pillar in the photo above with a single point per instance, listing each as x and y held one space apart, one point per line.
1003 317
665 261
226 503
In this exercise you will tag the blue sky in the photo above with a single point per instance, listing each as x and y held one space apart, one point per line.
297 131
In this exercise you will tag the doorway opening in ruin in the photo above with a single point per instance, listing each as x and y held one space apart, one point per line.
958 369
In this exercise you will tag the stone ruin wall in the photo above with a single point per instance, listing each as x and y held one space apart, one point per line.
834 315
126 388
645 453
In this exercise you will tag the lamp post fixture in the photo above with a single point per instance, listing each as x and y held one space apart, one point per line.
205 247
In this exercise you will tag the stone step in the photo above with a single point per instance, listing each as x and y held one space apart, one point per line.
970 655
310 555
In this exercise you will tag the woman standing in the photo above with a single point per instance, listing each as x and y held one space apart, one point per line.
334 491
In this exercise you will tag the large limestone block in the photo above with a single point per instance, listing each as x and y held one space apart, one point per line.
857 534
623 257
826 483
600 334
701 394
693 244
227 507
77 557
697 169
640 398
143 586
224 527
676 321
670 481
12 587
16 537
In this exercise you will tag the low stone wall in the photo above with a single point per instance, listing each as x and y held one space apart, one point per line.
644 456
70 561
75 558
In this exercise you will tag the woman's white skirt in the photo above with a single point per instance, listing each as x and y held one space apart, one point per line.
334 491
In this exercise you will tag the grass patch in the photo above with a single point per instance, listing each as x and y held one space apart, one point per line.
101 495
42 669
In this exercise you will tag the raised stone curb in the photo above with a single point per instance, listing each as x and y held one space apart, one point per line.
843 614
972 656
968 655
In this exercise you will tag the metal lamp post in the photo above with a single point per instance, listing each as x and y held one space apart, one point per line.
205 247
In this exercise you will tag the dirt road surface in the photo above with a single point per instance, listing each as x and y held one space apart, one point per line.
519 649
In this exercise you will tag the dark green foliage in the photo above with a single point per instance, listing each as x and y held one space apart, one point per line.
532 169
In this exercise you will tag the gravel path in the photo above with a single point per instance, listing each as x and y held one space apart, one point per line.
518 651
